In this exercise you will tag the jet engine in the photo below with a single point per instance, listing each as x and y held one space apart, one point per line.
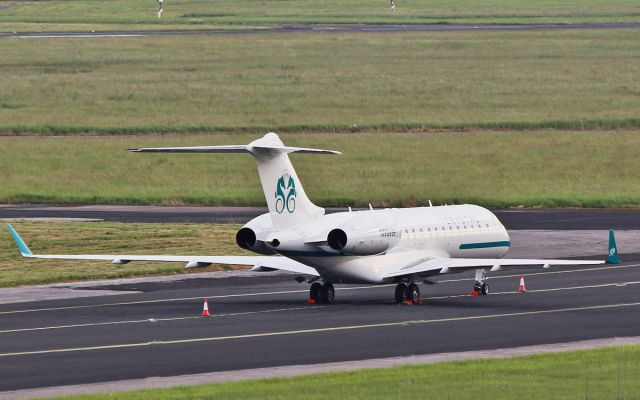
250 237
365 238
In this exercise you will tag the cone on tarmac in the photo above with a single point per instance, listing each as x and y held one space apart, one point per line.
205 308
521 288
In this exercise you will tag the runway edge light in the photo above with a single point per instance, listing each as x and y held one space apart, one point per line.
612 257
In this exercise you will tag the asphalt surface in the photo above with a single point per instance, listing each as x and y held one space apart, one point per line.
513 219
265 322
324 28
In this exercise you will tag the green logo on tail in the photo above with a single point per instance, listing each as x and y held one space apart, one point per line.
285 194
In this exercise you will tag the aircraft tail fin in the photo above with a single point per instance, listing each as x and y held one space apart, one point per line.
288 203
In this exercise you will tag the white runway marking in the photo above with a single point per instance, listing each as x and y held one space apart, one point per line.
617 284
318 330
547 273
295 291
222 296
139 321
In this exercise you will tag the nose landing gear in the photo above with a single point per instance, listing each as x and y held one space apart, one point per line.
481 287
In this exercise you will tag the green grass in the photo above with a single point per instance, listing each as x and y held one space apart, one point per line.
207 13
107 238
499 169
609 373
322 82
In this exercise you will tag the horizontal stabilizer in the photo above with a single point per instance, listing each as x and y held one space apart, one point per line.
195 149
261 146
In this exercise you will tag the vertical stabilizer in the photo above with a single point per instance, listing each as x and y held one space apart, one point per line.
288 203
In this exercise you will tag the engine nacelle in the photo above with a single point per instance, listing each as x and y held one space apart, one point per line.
249 236
364 242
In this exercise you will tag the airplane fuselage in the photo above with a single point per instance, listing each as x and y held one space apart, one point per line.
378 240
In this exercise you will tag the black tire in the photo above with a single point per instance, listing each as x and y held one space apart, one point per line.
484 289
314 291
401 292
327 293
413 293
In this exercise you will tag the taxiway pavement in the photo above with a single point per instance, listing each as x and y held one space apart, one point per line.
321 28
513 219
154 328
265 322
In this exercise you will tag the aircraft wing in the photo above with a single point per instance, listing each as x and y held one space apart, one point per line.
259 263
435 266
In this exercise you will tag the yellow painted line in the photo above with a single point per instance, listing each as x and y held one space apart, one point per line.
153 320
318 330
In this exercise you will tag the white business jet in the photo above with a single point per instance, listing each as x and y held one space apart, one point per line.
393 245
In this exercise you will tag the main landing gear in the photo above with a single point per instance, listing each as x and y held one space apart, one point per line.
481 287
322 293
407 293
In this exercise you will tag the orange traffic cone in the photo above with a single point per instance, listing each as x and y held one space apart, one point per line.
521 288
205 308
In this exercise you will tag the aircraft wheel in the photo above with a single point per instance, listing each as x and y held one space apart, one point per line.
401 292
314 291
327 293
484 289
413 293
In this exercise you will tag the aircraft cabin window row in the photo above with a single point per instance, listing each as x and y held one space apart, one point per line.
467 228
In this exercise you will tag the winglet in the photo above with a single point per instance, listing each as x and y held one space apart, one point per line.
612 257
24 250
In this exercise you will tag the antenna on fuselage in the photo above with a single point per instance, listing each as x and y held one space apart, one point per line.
430 205
370 208
349 208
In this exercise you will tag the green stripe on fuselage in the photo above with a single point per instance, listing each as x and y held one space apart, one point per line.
484 245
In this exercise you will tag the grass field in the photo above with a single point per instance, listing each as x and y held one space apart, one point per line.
322 82
500 169
609 373
107 238
27 15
